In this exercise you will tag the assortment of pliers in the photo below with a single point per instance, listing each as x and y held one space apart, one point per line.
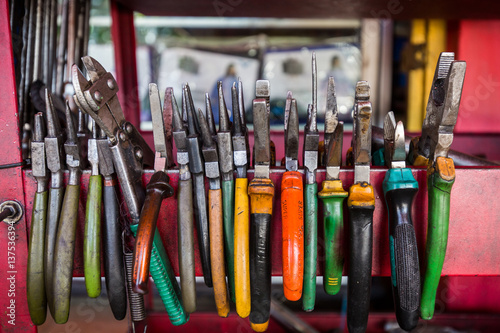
234 221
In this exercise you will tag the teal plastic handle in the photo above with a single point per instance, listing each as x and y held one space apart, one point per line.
166 283
310 246
228 218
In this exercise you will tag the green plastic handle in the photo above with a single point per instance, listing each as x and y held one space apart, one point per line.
166 283
333 196
228 217
92 238
35 284
310 246
437 239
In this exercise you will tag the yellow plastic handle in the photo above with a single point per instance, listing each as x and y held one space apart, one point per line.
241 248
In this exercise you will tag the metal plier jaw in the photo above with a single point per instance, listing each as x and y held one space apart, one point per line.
53 143
97 97
311 144
179 134
241 148
209 150
394 142
38 149
292 137
224 135
334 131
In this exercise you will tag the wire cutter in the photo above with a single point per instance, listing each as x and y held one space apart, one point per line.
184 204
261 192
311 145
292 207
241 208
35 285
432 149
333 195
361 204
97 97
148 237
209 149
400 188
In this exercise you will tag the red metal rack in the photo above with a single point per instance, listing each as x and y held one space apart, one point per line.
473 248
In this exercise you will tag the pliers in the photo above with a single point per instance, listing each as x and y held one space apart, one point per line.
292 207
400 188
149 250
215 218
333 195
361 204
431 149
241 212
184 204
261 192
129 151
196 166
311 145
35 285
55 163
225 149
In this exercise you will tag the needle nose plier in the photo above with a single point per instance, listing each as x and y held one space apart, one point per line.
431 149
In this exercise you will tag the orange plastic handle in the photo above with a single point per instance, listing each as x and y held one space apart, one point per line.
292 215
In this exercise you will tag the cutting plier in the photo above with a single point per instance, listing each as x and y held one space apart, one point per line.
311 145
431 149
97 97
196 166
400 188
333 195
66 232
225 149
292 207
185 231
149 248
112 245
215 218
361 204
241 208
35 284
261 192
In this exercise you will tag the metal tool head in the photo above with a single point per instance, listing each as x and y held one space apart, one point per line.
314 69
263 90
333 154
53 139
38 161
241 108
292 138
394 142
105 158
210 115
442 107
262 147
179 131
186 109
159 130
71 146
189 99
288 106
239 136
331 113
311 134
224 123
167 124
92 153
362 142
209 148
224 137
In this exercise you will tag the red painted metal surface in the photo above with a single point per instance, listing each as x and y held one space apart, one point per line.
479 45
322 322
13 241
473 247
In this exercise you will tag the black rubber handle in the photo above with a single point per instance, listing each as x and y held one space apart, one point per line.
405 272
201 217
260 267
360 267
114 269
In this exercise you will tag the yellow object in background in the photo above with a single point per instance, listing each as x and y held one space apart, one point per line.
428 40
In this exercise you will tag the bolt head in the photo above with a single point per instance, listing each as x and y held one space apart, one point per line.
98 96
111 84
139 154
129 128
123 137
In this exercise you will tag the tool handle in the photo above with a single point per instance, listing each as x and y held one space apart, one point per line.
157 190
92 237
164 278
217 252
311 246
35 285
201 217
241 246
186 244
228 211
361 204
333 195
64 254
261 192
114 270
56 196
292 216
439 184
400 188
